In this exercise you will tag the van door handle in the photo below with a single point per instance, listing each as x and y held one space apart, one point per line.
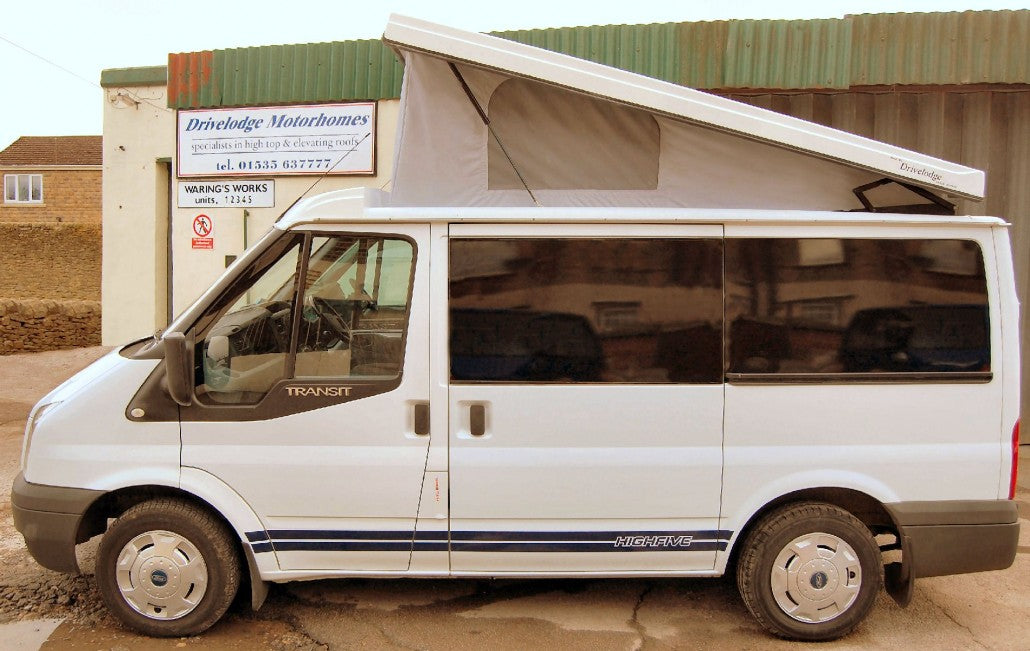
477 420
422 419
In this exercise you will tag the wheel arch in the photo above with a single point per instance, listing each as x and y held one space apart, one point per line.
114 503
869 510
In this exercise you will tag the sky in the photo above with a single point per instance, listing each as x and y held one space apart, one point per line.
78 38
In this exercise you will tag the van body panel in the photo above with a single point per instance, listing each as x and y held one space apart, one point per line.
1009 323
649 459
524 453
336 487
240 516
85 440
870 432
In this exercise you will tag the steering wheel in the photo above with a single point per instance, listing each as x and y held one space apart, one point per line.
333 319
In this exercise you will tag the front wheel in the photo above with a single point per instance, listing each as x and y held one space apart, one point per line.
167 568
810 571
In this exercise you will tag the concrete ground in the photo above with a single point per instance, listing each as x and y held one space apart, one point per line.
44 609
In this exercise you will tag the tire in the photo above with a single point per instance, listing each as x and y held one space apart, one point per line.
168 568
809 571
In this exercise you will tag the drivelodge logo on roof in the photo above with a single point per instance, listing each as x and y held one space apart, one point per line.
921 171
327 138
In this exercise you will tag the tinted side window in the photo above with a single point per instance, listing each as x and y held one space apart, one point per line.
586 310
856 306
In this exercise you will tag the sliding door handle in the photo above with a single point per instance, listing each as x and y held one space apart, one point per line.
477 420
422 418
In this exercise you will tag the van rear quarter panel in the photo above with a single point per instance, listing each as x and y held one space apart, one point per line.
892 441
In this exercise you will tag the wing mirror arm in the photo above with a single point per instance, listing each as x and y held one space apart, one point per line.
178 367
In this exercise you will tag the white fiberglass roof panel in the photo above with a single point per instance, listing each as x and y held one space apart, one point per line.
683 103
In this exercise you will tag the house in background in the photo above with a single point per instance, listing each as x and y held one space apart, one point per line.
52 179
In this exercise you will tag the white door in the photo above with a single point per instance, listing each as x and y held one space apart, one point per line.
311 395
585 398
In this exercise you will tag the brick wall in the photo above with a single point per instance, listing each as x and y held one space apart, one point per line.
68 196
49 286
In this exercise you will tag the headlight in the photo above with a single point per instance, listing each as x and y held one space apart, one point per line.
34 419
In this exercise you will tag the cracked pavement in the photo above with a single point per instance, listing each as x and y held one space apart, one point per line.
44 609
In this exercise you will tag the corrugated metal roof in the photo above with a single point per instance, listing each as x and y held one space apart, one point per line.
969 47
702 53
955 48
651 50
280 74
787 54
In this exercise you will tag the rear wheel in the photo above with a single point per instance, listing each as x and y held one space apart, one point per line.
167 568
810 571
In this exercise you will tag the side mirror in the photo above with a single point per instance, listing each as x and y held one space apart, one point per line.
178 367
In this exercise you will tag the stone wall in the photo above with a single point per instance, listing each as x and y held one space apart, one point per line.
33 325
55 261
69 195
49 286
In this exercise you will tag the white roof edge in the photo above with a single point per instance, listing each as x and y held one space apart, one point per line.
365 205
333 206
686 103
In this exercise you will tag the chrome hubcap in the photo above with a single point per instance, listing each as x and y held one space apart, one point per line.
161 575
816 577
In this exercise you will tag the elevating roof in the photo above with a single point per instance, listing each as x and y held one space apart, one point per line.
678 102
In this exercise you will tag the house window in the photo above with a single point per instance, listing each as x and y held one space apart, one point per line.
23 188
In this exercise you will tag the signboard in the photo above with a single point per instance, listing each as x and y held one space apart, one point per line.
227 194
324 139
202 227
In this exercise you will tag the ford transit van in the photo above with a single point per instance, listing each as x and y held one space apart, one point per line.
823 404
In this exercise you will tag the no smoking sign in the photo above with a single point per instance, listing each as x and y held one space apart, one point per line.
202 227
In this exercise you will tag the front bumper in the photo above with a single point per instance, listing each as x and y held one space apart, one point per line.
48 517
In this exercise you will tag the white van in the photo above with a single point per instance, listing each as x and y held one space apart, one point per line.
797 397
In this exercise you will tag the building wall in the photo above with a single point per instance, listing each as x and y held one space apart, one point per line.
236 228
137 135
69 195
139 195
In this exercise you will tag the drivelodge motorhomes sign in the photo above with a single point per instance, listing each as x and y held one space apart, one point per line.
327 138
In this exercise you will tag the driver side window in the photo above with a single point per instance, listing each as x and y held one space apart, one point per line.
345 319
355 307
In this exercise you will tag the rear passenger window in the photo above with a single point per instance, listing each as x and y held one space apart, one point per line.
586 310
856 306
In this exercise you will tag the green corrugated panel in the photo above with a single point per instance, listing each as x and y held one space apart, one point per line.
702 53
281 74
871 49
787 54
967 47
651 50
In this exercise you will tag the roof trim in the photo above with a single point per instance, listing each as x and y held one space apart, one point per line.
610 83
143 76
366 204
